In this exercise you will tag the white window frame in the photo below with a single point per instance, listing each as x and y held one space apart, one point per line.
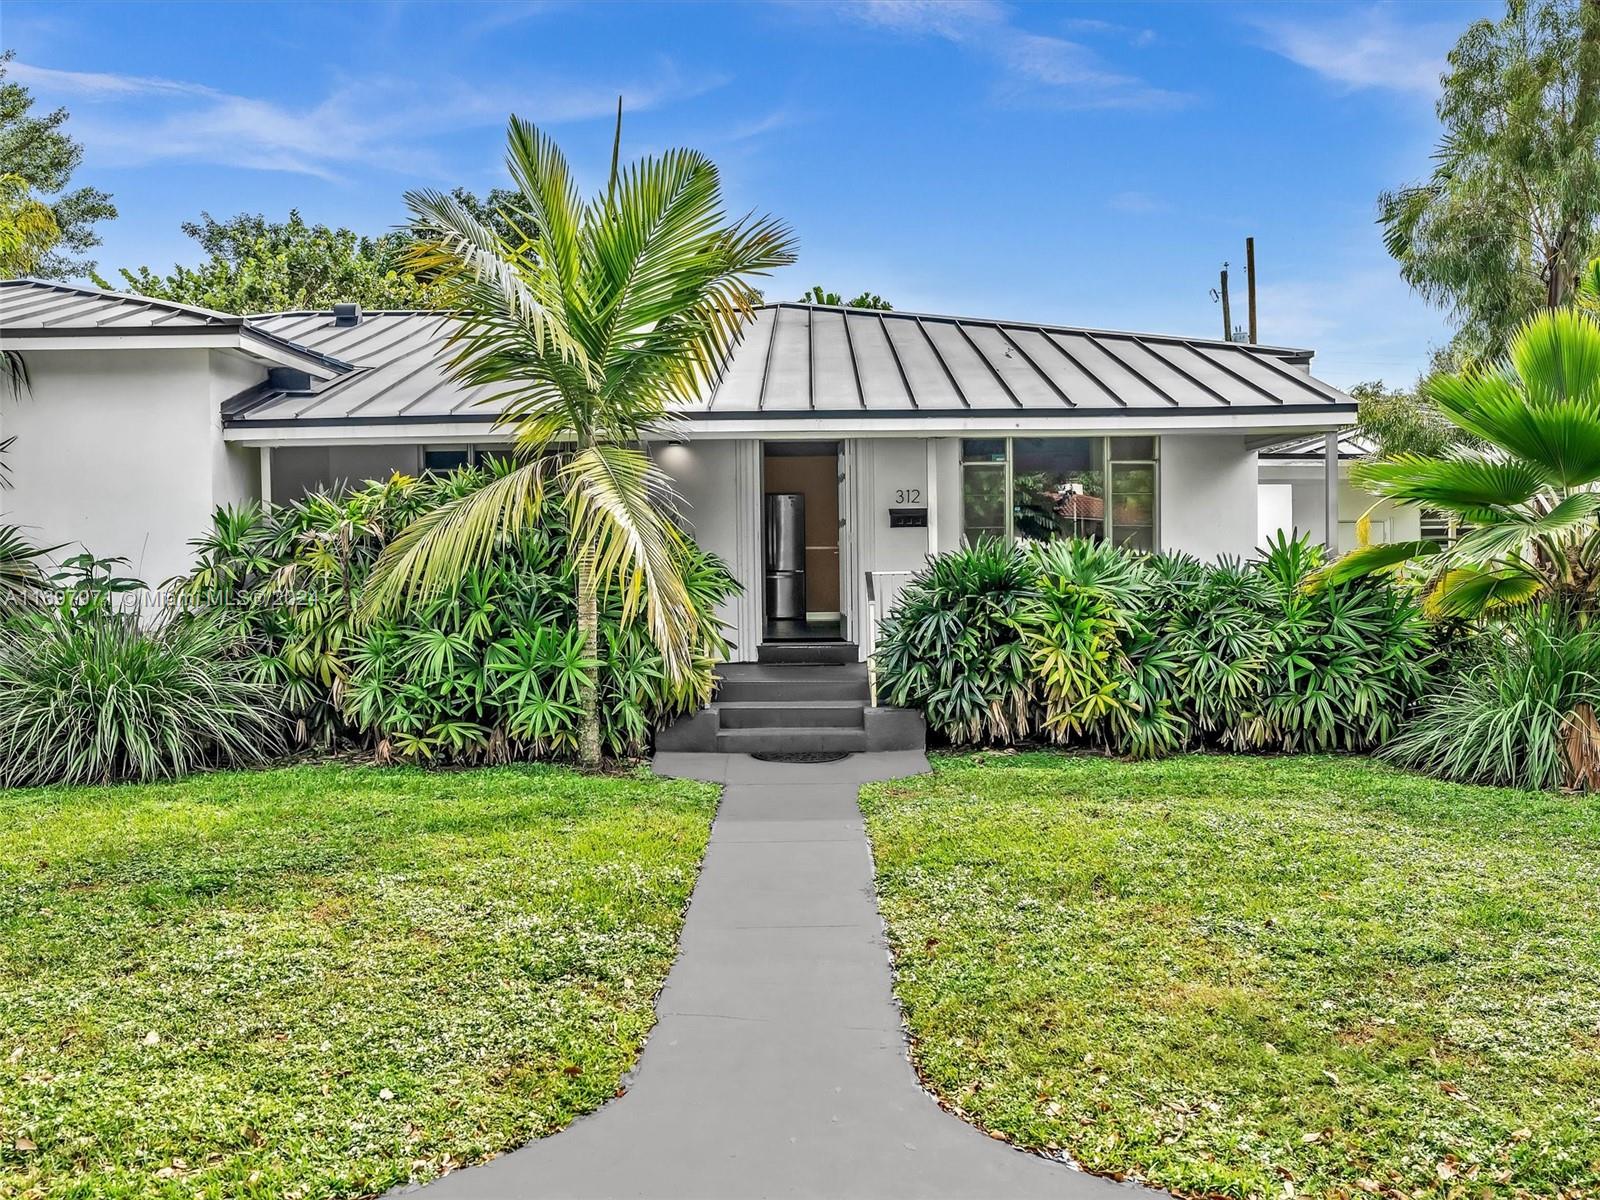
1107 463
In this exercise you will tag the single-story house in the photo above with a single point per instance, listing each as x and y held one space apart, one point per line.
903 432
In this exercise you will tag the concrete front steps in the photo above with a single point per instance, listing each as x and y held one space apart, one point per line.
809 697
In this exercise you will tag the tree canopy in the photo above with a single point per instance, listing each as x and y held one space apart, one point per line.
256 265
1503 225
36 151
1399 421
28 229
588 331
865 300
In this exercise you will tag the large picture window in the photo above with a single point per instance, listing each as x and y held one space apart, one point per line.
1040 488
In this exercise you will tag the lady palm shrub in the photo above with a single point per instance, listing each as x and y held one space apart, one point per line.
1149 654
1213 622
953 647
1098 662
490 666
1345 663
88 695
1509 715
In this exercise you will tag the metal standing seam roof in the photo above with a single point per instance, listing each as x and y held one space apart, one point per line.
792 360
805 359
1352 445
41 308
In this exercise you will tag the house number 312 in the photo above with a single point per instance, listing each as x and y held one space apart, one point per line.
908 496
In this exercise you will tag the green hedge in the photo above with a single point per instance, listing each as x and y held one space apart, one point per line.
1085 642
488 670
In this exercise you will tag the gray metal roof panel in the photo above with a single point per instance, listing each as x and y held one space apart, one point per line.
30 301
1352 444
39 308
798 358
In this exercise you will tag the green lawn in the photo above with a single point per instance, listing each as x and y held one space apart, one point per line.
322 981
1254 977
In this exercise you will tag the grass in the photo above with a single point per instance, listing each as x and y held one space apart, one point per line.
323 981
1254 977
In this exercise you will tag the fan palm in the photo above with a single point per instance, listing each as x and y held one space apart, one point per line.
1529 493
590 324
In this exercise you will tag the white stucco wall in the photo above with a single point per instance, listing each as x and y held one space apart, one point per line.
1207 504
121 452
719 485
1391 522
889 473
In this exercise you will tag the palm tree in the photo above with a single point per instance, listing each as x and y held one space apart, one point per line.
591 323
1529 494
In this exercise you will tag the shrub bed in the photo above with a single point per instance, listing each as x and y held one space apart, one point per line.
1085 642
490 668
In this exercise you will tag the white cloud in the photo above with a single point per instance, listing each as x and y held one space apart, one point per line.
1039 66
1132 34
1364 47
131 120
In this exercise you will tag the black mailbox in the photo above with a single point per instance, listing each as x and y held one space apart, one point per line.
908 518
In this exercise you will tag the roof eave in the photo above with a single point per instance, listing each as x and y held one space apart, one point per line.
221 335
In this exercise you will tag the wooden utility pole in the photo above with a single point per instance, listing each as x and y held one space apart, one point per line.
1250 282
1227 309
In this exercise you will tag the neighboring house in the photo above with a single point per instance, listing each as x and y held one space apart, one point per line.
1292 495
905 432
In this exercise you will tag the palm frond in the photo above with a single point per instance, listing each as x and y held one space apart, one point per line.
1460 484
1544 406
617 499
14 371
1557 357
1509 536
437 549
21 579
491 281
1473 591
1369 560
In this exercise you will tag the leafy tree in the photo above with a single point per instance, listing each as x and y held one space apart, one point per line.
1528 494
38 151
1511 210
1399 421
257 265
613 310
865 300
502 210
28 228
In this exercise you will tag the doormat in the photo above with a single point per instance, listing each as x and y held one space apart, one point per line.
803 756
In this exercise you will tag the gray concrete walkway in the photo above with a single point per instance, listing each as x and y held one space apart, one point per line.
778 1066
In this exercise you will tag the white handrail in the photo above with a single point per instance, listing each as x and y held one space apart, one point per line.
874 581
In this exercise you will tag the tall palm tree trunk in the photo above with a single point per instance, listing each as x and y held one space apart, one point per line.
589 628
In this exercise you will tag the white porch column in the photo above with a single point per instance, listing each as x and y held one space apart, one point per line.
266 477
1330 490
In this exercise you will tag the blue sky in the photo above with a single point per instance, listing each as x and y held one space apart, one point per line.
1086 164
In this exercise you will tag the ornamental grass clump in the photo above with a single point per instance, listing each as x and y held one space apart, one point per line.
1519 712
92 696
